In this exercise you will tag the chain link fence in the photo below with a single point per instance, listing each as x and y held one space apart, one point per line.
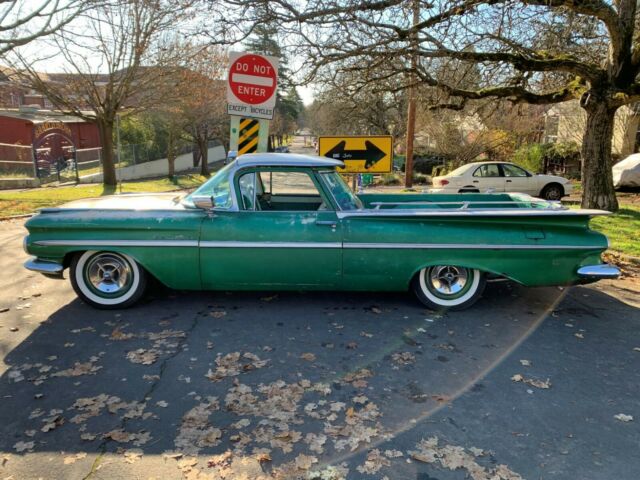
20 161
16 161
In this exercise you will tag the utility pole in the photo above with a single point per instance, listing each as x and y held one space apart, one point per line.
411 109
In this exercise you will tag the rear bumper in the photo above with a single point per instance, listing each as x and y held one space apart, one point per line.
50 269
598 272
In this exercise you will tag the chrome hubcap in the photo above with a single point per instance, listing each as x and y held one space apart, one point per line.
448 280
108 273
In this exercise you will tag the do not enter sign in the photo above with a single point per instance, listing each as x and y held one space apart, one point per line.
251 85
252 79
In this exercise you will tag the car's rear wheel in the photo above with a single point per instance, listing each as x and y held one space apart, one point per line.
448 286
552 191
107 280
468 190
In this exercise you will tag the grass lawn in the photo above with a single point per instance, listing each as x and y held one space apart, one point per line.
622 228
28 201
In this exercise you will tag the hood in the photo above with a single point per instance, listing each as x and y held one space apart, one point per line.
137 201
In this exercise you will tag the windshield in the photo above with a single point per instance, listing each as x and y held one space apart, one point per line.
217 187
346 199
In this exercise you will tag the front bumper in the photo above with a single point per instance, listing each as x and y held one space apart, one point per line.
598 272
50 269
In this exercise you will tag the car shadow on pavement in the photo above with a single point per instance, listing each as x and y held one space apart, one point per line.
289 383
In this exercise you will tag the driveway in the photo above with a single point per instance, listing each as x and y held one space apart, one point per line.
529 383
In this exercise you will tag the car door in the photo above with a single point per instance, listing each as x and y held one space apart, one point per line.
488 177
518 180
283 234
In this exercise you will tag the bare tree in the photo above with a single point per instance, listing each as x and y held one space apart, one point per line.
200 110
23 21
533 51
118 60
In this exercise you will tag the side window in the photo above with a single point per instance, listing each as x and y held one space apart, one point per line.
277 190
247 183
489 170
513 171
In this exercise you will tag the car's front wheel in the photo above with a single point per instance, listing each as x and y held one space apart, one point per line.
448 286
107 280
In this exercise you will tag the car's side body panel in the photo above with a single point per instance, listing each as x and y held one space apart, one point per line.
271 249
165 242
385 252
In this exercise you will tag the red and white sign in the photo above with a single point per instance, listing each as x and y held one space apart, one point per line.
251 85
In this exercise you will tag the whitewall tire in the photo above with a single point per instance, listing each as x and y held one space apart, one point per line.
107 280
450 287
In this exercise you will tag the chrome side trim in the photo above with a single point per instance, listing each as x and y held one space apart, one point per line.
232 244
471 246
479 212
48 268
597 272
237 244
117 243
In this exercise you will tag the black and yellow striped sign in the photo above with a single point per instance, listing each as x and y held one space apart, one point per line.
248 135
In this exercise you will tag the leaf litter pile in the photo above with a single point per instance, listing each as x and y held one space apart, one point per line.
281 430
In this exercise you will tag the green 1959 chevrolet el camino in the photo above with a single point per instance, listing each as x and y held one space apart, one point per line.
279 221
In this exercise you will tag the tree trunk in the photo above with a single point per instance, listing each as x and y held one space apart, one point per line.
171 155
204 155
196 155
597 179
105 128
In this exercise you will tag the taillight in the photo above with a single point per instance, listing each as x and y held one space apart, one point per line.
444 182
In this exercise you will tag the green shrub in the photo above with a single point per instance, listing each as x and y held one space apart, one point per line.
530 157
420 179
390 179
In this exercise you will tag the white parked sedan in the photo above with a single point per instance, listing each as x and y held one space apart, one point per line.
501 177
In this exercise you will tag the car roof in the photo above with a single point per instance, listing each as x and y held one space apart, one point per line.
285 160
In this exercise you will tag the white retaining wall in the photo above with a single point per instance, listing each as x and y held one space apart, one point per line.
157 168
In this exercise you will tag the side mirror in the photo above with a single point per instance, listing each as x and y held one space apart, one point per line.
204 202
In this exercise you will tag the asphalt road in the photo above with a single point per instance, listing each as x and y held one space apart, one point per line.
527 384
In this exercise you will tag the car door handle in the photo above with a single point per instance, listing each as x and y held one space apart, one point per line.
475 181
327 223
508 181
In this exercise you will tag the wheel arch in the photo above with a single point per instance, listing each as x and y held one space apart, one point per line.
69 256
483 268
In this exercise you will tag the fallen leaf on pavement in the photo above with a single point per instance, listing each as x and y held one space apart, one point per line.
623 417
374 462
23 446
457 458
304 462
132 456
142 356
310 357
531 381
